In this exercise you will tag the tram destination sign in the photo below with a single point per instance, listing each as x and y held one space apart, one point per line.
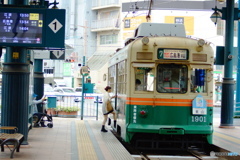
32 28
174 54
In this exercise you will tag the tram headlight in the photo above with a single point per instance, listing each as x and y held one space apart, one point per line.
145 40
201 42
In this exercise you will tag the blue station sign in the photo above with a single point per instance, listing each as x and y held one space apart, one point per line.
199 106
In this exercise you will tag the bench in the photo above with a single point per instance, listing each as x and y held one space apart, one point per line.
14 139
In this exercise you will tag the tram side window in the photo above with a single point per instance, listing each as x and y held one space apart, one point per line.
144 79
198 80
112 77
172 78
122 76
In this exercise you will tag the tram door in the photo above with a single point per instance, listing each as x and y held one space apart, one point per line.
112 82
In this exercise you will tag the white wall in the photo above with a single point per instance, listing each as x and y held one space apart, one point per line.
97 78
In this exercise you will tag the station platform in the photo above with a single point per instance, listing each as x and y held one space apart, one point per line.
75 139
228 139
70 139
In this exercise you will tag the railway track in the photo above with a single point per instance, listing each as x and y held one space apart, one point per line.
192 153
186 156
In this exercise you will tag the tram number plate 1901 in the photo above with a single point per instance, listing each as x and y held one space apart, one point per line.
199 119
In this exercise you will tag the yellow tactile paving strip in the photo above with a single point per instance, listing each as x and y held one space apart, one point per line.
227 141
94 144
111 148
85 146
228 138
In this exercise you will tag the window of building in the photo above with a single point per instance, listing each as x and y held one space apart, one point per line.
108 14
127 23
108 39
48 71
179 20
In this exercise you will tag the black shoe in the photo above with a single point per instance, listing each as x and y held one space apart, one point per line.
104 130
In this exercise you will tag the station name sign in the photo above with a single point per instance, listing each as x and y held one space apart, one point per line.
32 28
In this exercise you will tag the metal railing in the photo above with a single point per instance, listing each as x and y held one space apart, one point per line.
66 104
106 23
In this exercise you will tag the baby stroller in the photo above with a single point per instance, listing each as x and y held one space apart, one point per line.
39 119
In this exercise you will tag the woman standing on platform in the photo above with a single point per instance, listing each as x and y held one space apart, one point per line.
106 99
35 110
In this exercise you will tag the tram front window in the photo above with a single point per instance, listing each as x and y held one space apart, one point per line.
172 78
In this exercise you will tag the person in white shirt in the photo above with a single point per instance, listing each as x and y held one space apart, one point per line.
107 99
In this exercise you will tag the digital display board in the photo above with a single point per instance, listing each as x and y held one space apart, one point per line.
21 28
177 54
29 27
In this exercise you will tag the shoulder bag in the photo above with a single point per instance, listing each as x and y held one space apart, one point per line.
109 106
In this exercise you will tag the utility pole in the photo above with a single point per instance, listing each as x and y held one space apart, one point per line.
83 64
148 17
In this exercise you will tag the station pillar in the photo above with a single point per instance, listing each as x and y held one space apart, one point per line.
15 86
15 90
39 82
228 81
237 110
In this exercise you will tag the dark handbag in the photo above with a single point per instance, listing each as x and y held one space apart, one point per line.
109 106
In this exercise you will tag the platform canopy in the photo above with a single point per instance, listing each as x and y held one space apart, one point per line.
99 59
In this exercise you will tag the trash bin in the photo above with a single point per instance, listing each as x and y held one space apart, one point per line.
51 105
52 102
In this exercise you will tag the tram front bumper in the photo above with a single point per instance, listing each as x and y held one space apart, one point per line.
167 129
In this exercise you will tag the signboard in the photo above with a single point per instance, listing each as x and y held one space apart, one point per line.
41 54
67 69
188 22
32 28
55 28
21 28
131 23
199 106
57 54
176 54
